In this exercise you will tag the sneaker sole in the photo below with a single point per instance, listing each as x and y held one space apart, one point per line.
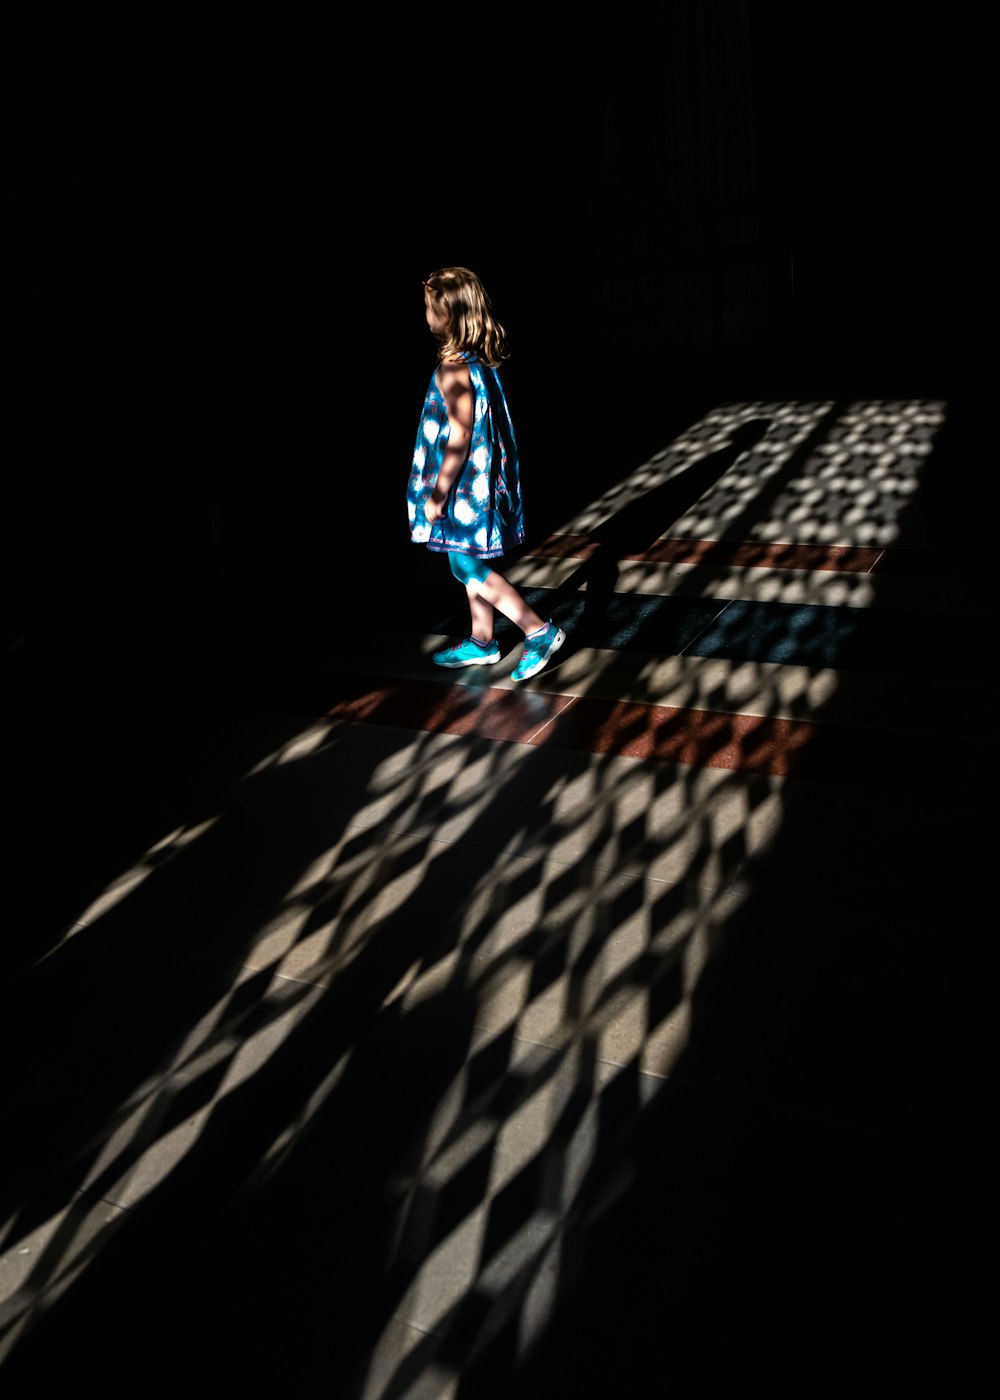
553 646
456 665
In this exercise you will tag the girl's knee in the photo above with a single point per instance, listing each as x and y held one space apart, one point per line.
469 570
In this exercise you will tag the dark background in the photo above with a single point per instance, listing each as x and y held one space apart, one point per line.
215 348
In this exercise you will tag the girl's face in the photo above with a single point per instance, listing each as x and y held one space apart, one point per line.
436 319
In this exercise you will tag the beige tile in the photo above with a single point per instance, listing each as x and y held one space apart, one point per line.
511 1272
530 572
445 1276
38 1266
145 1143
811 587
673 822
623 958
814 587
380 882
408 1364
693 682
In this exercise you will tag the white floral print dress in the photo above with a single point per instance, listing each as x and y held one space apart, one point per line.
484 514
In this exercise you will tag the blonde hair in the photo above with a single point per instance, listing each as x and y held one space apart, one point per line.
471 326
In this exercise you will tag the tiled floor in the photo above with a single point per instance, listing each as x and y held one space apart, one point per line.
375 1032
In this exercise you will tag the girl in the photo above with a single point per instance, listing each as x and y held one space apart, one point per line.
464 492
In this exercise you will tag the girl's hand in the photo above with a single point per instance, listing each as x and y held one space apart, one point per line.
434 510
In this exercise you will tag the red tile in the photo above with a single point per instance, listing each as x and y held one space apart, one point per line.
565 547
480 711
704 737
726 553
865 758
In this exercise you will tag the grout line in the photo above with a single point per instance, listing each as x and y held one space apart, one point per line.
535 736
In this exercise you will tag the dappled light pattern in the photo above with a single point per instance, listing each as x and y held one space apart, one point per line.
777 523
508 900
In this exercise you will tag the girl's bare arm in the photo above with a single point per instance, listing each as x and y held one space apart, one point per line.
456 386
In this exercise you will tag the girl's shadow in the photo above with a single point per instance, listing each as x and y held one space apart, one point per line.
635 529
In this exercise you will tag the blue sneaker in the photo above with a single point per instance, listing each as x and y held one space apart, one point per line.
468 653
537 650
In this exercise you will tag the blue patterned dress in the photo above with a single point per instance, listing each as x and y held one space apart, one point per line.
483 513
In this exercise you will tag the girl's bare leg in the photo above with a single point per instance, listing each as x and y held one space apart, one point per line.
499 594
481 613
